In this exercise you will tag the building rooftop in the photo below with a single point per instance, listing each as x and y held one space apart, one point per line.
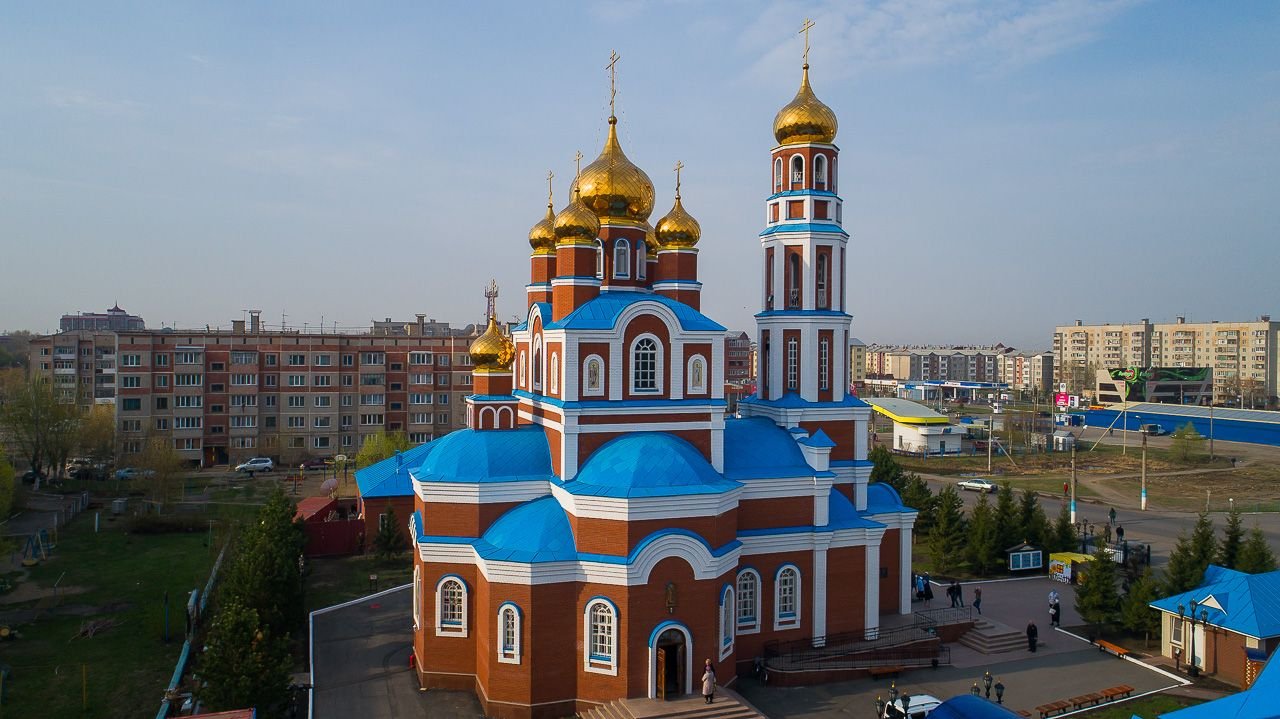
1242 603
906 411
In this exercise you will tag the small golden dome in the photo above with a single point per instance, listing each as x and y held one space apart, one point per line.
613 187
805 118
677 229
542 236
576 225
493 350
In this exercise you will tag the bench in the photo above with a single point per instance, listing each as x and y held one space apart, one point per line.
1090 699
877 672
1024 713
1116 649
1048 709
1123 690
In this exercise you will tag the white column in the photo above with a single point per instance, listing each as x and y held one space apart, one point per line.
872 602
904 570
820 592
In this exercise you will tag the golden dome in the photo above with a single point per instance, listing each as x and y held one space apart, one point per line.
678 229
613 187
542 236
576 225
493 350
805 119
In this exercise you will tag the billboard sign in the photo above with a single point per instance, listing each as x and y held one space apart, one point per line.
1061 399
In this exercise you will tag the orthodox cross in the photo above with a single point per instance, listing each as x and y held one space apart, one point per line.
550 176
805 29
612 67
679 167
491 298
577 161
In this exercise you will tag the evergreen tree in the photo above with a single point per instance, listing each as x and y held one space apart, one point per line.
1184 571
1136 615
243 663
919 497
1063 538
1097 598
1008 520
1255 554
1232 536
946 539
885 468
1204 543
982 550
389 542
265 573
1035 525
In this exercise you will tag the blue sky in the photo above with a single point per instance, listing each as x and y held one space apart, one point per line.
1005 166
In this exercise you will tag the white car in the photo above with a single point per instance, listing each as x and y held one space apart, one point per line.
917 706
256 464
979 485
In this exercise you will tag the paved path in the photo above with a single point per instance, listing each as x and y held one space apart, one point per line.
360 665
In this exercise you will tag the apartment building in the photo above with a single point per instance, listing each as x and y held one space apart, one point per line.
81 365
857 362
1027 371
737 358
113 319
958 364
1242 355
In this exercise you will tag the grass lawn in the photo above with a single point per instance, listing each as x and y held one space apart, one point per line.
1146 707
122 671
334 580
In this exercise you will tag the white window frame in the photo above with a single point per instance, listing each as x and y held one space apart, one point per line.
522 364
824 364
535 368
791 170
793 364
786 620
599 260
621 259
642 259
696 387
1176 629
751 624
598 663
553 373
508 655
657 361
728 620
417 597
451 630
587 389
820 171
778 174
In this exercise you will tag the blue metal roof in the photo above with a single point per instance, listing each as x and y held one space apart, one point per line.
792 400
829 227
755 447
467 455
647 464
597 403
841 514
967 706
602 312
799 193
536 531
390 477
818 439
883 498
1243 603
803 313
1259 701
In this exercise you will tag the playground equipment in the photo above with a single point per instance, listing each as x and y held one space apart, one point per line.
37 548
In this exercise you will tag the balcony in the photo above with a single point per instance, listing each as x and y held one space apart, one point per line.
793 299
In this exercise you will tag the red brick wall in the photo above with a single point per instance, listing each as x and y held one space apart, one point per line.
780 512
636 327
607 536
840 432
846 589
890 551
460 520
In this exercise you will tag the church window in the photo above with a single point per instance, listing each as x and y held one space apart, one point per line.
793 284
786 599
509 634
555 373
820 172
593 372
642 259
748 601
522 366
824 364
777 175
797 170
537 363
602 637
645 366
417 596
599 260
821 285
621 259
697 375
726 621
451 607
793 364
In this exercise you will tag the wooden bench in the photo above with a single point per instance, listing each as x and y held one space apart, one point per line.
1112 693
1024 713
1090 699
1048 709
877 672
1116 649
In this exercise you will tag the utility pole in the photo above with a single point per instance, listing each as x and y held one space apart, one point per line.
1144 472
1073 484
1124 425
990 426
1211 430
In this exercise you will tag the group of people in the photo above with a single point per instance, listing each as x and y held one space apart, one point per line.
1055 620
924 588
955 592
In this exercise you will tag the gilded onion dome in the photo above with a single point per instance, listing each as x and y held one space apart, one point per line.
613 187
805 118
493 350
677 229
542 236
576 225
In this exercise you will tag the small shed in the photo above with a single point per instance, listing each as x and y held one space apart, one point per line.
1025 558
1069 567
1063 441
332 526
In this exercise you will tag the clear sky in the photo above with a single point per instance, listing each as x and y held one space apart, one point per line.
1005 166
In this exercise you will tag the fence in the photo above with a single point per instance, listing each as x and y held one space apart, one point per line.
195 610
915 644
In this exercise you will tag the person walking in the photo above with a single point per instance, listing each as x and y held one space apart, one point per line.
1112 516
1066 489
709 682
951 593
977 599
1055 614
1033 634
920 587
1119 533
928 589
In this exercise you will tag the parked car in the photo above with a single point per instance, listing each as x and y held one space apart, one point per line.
30 476
323 463
915 706
979 485
132 472
256 464
1154 430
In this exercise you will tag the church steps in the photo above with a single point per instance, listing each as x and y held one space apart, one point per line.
988 637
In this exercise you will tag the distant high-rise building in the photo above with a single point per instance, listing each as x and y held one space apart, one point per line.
112 320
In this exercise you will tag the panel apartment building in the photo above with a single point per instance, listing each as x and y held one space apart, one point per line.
1242 355
960 364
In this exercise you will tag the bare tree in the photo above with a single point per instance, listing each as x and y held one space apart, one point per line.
161 466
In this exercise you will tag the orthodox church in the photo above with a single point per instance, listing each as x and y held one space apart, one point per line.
602 528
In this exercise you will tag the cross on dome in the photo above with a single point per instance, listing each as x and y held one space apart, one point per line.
805 29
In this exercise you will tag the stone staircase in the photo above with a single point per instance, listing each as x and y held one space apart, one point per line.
988 637
726 706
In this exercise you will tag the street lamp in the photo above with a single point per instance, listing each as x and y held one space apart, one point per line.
986 681
999 692
879 707
974 690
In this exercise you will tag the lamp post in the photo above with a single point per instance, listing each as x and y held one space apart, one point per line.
1193 670
879 707
986 682
1144 472
999 692
974 690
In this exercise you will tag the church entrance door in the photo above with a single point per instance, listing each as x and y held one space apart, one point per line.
671 659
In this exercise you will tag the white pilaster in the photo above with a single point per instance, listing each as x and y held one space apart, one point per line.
872 616
904 570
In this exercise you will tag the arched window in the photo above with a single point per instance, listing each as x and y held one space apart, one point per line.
645 366
509 633
786 597
797 170
593 376
642 259
599 260
821 285
748 601
537 363
600 628
777 175
621 259
793 287
417 596
793 364
727 622
820 172
824 364
697 375
555 373
451 607
522 366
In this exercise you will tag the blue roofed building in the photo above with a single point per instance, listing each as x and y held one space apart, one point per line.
1261 700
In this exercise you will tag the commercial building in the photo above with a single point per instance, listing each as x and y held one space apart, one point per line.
113 319
1176 385
1242 355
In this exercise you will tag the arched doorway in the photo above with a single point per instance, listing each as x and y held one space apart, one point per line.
670 661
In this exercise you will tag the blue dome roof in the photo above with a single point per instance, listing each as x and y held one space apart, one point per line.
536 531
883 498
756 448
966 706
468 455
647 464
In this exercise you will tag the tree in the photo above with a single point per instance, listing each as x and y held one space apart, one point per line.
981 550
98 434
1136 615
1232 537
1008 520
244 664
1255 554
1190 557
1063 538
1097 598
917 495
389 542
6 485
266 571
1035 525
162 466
378 447
1186 446
885 468
16 350
28 411
947 538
